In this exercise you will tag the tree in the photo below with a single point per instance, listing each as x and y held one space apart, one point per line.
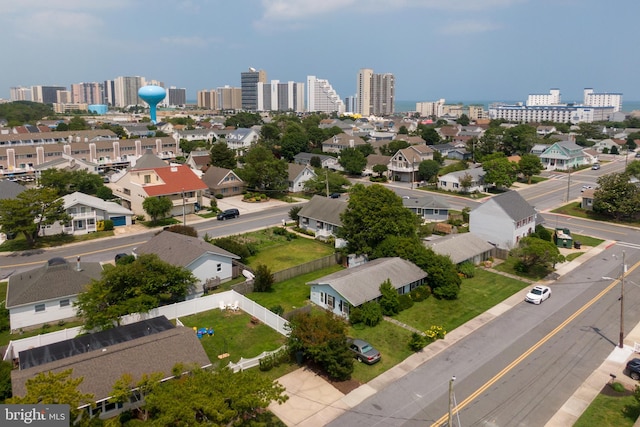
633 169
372 214
466 181
78 123
243 120
49 388
380 169
463 120
263 172
428 170
182 229
389 301
157 207
535 252
322 338
222 156
32 210
5 379
315 162
500 171
293 213
529 165
263 280
105 193
366 149
352 160
19 113
138 287
403 130
519 139
616 197
121 392
490 142
430 135
66 182
393 147
318 184
614 150
212 397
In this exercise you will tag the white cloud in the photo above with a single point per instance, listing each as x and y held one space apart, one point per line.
468 27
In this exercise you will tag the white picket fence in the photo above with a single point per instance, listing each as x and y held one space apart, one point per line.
251 363
173 311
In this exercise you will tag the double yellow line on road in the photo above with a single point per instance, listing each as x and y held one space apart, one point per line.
527 353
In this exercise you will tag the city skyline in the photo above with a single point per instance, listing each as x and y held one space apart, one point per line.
494 50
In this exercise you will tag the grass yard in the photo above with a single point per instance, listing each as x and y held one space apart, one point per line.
234 334
610 410
574 209
20 243
281 254
476 296
292 293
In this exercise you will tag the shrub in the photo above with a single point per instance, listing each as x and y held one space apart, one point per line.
108 225
219 196
183 229
417 342
467 269
405 302
277 309
233 246
447 292
293 213
213 205
369 313
420 293
263 280
389 301
618 387
279 231
435 333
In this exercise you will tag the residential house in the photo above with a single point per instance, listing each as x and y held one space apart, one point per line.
339 142
461 247
448 132
10 189
101 358
503 220
199 160
46 294
66 162
204 260
241 139
453 181
586 201
545 130
607 145
137 130
327 162
298 175
223 181
86 214
151 177
411 139
376 160
562 155
429 208
405 163
321 215
204 135
340 291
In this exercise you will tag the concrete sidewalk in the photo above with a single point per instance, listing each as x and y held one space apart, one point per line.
314 402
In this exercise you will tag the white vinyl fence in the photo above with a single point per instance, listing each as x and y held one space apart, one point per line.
173 311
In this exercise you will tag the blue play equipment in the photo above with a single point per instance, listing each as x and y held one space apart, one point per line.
152 95
205 331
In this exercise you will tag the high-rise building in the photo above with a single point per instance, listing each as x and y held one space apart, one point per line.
321 97
109 92
552 98
429 109
375 93
175 97
87 93
46 94
208 99
126 91
351 104
593 99
20 94
229 98
276 96
249 83
363 94
63 97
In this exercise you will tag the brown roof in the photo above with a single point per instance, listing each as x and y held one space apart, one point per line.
103 367
215 175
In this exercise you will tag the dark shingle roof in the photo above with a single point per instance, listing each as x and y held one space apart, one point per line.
10 189
56 279
459 247
149 161
324 209
180 250
514 205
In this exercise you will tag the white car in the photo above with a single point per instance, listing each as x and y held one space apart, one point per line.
538 294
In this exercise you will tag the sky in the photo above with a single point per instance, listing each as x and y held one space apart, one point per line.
459 50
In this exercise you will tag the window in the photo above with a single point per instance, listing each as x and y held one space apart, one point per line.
64 302
219 267
39 308
331 301
147 179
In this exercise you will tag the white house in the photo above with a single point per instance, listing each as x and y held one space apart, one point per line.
352 287
241 139
298 176
86 213
203 259
328 162
321 215
339 142
46 294
452 181
405 163
503 220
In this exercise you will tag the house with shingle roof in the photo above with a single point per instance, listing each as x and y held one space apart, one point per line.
503 220
46 294
10 189
563 155
405 163
461 247
374 160
428 208
298 175
328 162
453 181
340 291
199 160
241 139
321 215
339 142
223 181
204 260
101 358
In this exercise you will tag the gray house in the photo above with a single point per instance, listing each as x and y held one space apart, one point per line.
461 247
321 215
340 291
428 208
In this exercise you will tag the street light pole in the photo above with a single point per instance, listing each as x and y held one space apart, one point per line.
450 416
624 270
184 210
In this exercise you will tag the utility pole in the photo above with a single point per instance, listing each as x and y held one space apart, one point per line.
184 210
569 184
450 416
624 270
326 180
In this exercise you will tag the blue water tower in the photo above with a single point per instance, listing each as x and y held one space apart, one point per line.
152 95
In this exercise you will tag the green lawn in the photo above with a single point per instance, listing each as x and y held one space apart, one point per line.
476 296
20 243
619 411
292 293
234 334
574 209
280 255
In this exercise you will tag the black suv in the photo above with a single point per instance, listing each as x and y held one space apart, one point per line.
633 368
228 214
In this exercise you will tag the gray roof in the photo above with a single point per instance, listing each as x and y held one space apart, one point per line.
78 198
305 158
362 283
180 250
459 247
324 209
102 368
426 202
215 175
10 189
56 279
149 161
514 205
295 169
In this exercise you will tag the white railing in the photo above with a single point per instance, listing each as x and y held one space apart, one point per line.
251 363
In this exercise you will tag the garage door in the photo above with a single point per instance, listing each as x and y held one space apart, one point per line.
119 220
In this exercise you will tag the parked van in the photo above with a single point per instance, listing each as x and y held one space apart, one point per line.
228 214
